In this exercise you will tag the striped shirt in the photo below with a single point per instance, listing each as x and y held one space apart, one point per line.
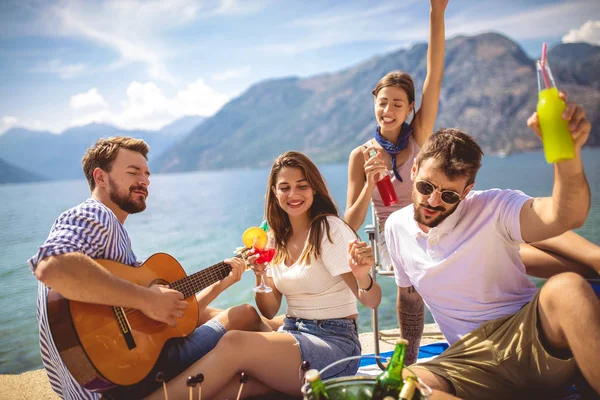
92 229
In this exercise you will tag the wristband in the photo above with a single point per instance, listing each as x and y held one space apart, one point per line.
370 285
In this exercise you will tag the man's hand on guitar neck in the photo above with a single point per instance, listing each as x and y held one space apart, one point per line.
163 304
238 267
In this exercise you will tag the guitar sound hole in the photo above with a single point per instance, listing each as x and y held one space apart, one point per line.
159 281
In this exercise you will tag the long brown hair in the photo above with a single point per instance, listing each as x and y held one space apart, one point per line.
401 80
322 207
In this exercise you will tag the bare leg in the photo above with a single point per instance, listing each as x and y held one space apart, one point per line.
246 313
243 318
205 315
271 358
570 319
545 264
276 322
251 388
567 252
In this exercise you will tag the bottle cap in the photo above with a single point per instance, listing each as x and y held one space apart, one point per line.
312 375
408 390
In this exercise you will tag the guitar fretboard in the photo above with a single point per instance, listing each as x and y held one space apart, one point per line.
194 283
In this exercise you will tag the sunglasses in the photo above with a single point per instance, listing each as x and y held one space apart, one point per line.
448 196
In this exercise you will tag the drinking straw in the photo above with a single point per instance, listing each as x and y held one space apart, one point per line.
543 65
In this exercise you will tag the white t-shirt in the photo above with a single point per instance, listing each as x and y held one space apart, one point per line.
318 291
468 269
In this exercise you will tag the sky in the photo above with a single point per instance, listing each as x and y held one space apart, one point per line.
144 64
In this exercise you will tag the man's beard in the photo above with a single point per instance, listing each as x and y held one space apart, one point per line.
124 200
431 222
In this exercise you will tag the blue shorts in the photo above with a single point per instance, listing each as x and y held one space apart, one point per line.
323 342
176 356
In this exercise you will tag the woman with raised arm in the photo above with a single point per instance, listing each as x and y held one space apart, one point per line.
322 270
396 141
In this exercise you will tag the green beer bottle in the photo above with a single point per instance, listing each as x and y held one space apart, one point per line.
389 382
317 388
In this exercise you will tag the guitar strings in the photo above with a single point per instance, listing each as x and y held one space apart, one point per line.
187 286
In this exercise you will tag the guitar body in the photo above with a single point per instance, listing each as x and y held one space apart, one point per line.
102 348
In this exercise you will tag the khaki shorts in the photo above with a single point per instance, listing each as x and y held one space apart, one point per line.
502 358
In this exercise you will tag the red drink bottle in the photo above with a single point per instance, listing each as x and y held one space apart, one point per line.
386 191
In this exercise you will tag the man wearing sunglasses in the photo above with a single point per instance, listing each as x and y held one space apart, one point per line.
457 250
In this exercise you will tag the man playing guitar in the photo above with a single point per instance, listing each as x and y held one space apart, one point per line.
118 176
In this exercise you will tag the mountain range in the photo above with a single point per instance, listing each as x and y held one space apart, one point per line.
489 90
58 156
12 174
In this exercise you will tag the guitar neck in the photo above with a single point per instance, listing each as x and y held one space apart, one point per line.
194 283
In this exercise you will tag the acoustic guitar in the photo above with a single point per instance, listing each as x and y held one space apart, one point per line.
104 346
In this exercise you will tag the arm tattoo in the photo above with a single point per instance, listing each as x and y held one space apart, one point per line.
411 316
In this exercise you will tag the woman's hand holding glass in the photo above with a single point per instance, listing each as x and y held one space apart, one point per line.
258 261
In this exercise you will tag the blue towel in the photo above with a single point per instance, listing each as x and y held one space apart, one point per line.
425 351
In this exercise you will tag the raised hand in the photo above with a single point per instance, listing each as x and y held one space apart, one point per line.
163 304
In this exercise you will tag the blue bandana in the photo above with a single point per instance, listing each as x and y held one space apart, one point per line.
393 149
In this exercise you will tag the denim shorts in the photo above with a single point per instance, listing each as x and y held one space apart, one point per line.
322 342
176 356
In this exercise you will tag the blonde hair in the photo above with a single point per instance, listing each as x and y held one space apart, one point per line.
104 152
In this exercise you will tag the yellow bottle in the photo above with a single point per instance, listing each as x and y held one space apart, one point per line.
556 137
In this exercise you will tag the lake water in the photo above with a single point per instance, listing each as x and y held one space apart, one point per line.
199 218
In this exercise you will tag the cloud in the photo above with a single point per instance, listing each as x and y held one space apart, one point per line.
7 122
589 33
89 99
538 22
64 71
135 29
383 24
148 108
331 28
232 73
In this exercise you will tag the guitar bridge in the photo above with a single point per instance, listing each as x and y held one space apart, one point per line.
124 327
